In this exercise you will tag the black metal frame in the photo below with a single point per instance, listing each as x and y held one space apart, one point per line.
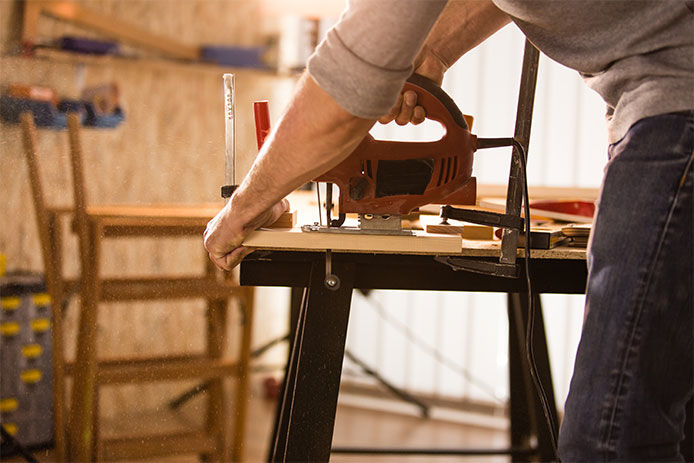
524 118
415 272
303 431
306 413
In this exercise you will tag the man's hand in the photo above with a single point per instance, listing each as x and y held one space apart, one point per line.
462 25
314 134
225 233
427 64
405 110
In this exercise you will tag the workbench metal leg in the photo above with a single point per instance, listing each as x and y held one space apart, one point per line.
307 417
687 445
528 423
519 394
297 301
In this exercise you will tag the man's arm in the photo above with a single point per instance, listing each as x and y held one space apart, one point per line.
314 134
462 25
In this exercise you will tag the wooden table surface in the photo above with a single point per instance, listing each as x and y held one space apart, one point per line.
422 243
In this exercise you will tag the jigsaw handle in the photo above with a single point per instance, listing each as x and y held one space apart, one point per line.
436 102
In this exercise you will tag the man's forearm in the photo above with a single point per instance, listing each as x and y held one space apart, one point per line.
462 25
314 135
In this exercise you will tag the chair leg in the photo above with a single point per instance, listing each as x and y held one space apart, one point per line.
58 363
217 404
82 430
56 291
244 373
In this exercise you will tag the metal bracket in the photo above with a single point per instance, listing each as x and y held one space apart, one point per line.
383 223
496 269
332 281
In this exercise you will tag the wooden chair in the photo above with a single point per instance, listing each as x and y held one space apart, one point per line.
93 225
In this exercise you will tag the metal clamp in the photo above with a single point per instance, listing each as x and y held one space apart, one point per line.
229 136
228 190
492 219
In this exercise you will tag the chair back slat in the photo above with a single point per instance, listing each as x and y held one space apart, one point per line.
31 152
78 183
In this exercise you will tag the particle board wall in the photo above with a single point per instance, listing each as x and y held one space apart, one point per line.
169 149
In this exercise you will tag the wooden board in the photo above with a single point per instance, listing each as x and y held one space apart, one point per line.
540 192
469 231
478 248
499 204
286 220
421 243
288 240
201 213
445 229
110 27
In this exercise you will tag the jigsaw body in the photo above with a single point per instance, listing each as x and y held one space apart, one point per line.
383 180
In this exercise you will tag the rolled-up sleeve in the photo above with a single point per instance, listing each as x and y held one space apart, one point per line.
366 58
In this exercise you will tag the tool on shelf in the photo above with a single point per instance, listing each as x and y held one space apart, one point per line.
97 107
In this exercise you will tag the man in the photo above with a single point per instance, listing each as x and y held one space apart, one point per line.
633 371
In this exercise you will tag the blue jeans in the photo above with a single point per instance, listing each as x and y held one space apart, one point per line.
633 370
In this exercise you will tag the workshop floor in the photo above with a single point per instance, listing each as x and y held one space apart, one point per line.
354 427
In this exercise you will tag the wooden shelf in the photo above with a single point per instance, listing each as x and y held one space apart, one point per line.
72 58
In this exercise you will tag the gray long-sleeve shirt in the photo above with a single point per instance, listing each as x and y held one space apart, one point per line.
637 54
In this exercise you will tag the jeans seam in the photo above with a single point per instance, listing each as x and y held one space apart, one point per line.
608 439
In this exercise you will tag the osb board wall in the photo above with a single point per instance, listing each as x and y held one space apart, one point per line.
170 149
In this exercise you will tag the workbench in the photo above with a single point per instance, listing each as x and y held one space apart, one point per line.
306 413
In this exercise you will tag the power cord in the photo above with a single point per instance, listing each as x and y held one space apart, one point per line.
530 326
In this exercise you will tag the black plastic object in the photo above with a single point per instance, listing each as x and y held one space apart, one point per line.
406 177
88 46
228 190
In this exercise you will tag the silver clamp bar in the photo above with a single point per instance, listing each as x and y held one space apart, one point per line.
229 135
